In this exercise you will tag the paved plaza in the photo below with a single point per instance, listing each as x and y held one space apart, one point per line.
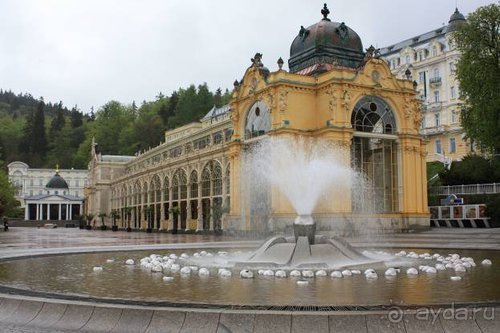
31 314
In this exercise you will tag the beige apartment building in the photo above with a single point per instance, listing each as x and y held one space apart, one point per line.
430 60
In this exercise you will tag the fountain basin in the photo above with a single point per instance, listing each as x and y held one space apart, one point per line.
66 276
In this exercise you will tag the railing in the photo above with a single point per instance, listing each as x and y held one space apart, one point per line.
467 189
434 130
435 81
434 106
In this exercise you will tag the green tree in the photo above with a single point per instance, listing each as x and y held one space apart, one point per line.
57 122
478 72
8 203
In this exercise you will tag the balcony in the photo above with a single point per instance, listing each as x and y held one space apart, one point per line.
434 130
433 107
435 81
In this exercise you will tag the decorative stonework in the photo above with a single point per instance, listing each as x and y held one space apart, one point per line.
346 100
332 101
283 100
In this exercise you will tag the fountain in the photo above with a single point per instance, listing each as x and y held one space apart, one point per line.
303 170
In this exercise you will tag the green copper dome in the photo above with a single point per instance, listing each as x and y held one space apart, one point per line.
57 182
325 42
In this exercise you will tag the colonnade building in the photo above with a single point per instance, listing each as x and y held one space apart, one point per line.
334 91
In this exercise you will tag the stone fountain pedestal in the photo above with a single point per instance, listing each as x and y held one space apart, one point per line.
304 250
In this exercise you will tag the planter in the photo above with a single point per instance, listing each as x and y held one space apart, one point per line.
129 229
88 227
103 227
114 228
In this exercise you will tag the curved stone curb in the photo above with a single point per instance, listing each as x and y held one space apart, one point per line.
25 314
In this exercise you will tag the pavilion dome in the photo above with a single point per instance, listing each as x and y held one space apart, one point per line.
456 19
57 182
325 42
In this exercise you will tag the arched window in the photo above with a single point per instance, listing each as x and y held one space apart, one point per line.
217 179
258 120
145 192
175 186
193 181
183 183
205 181
372 114
374 156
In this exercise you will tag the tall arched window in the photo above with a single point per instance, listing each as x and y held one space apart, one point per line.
374 155
227 180
205 181
183 184
175 186
258 120
193 181
217 179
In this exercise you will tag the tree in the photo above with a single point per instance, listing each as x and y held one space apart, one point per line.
8 202
478 72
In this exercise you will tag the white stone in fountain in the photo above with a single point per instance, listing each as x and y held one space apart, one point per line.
203 253
129 262
175 267
97 269
431 270
355 271
302 283
455 278
203 272
173 256
347 272
450 265
246 274
194 268
168 278
459 268
412 271
268 272
184 256
186 270
369 270
486 262
391 272
295 273
440 267
371 276
321 272
196 254
260 271
336 274
225 273
157 269
111 260
308 274
280 274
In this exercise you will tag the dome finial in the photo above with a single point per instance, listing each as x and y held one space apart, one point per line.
57 168
325 12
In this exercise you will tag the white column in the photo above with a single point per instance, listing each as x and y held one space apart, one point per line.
60 211
26 210
70 209
37 217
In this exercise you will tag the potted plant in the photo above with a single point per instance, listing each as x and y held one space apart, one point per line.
114 215
175 213
89 218
127 211
102 216
148 211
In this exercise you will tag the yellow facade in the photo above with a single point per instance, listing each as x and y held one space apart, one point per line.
321 107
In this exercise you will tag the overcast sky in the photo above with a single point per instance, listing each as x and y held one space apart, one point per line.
87 52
